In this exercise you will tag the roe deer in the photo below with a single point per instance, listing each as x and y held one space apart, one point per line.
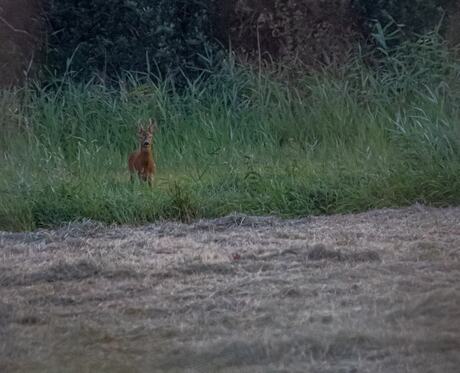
142 161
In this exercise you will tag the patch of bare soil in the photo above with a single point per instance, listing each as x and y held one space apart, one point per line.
371 292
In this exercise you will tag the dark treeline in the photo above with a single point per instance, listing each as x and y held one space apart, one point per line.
184 37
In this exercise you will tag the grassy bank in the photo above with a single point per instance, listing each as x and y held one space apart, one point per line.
346 141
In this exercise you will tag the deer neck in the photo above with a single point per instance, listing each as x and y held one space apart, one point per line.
146 152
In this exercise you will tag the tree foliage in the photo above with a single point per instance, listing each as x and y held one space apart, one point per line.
109 37
411 16
176 37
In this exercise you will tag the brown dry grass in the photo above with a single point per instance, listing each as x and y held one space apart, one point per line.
372 292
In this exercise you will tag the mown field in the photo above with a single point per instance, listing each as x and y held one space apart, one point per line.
255 142
370 292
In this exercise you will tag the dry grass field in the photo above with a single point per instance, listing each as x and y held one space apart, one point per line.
370 292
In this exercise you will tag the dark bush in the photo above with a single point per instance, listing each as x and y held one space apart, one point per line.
414 16
312 33
171 37
109 37
301 33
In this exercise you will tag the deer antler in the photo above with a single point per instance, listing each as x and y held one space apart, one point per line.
152 125
140 127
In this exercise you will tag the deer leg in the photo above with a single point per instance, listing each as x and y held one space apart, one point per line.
150 180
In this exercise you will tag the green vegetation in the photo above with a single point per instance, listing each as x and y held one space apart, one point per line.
239 140
109 38
414 17
169 37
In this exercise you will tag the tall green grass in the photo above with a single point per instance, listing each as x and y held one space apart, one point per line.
336 141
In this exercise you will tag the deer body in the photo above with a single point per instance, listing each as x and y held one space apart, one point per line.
142 161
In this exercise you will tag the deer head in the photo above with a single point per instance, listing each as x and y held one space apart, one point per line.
145 136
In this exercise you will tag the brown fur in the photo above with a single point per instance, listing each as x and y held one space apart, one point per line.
142 162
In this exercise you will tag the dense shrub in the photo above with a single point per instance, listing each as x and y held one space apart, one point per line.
168 37
304 32
410 16
109 37
315 32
